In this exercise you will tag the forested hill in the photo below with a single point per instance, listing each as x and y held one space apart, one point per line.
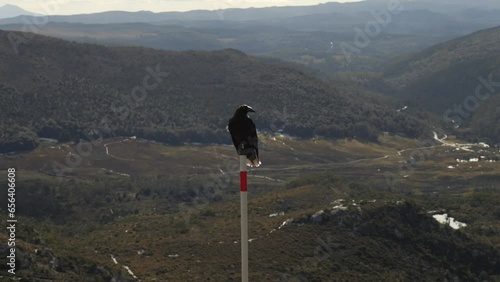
58 89
449 74
481 49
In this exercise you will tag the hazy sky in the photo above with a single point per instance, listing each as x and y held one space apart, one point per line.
65 7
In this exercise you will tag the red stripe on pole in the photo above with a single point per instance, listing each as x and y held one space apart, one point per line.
243 181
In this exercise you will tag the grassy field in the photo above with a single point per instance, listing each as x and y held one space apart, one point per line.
172 213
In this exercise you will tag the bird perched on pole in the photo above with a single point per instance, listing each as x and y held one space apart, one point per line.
244 135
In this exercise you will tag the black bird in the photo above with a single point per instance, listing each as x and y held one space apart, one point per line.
244 135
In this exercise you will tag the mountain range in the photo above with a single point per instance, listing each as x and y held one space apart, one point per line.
452 7
315 36
12 11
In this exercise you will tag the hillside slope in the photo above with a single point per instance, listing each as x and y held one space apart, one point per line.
366 235
458 79
60 89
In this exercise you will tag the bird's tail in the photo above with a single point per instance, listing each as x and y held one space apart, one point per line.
253 159
251 153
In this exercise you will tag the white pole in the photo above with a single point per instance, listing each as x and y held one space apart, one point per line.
244 219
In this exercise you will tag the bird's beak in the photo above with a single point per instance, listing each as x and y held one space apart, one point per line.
251 110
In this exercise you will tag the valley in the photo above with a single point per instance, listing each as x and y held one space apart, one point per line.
158 212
